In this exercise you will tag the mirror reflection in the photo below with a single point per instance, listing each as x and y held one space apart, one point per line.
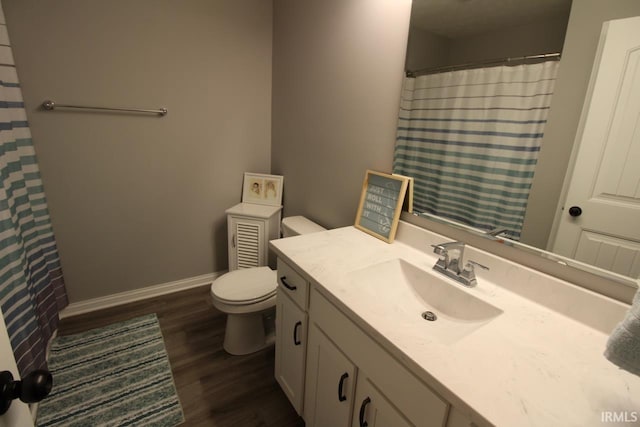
473 113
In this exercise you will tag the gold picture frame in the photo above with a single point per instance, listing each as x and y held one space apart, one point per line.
262 189
380 204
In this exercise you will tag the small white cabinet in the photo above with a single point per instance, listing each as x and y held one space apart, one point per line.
291 333
250 227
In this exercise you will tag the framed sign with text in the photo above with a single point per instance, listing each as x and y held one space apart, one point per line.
380 204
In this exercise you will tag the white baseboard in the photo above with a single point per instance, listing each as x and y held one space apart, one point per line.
94 304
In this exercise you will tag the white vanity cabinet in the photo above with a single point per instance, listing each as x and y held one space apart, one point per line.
249 228
365 300
291 333
386 394
336 394
335 374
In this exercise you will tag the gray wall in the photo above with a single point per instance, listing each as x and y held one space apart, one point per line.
337 74
139 200
530 39
581 41
428 50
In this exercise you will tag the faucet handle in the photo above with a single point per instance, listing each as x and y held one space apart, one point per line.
469 266
439 249
468 274
443 255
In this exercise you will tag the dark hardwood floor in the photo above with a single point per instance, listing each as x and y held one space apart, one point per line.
215 388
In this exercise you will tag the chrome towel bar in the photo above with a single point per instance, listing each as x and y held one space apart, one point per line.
50 106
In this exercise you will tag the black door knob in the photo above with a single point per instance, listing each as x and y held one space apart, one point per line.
575 211
33 388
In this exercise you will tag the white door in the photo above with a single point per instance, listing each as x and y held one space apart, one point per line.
18 414
600 223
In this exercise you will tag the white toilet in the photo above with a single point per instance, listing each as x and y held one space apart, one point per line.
248 297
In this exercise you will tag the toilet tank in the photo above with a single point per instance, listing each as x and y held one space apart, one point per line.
296 225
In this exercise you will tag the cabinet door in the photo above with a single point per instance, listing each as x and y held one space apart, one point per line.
291 331
373 409
330 383
247 243
457 419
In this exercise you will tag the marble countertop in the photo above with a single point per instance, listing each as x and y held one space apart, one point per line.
539 363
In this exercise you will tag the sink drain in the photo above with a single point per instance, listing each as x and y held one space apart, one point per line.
429 315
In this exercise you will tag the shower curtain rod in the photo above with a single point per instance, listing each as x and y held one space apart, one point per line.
505 61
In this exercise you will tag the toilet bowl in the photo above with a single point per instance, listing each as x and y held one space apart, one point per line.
248 297
245 296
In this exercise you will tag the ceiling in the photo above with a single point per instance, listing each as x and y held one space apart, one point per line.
460 18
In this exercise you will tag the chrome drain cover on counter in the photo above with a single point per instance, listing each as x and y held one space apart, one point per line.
429 315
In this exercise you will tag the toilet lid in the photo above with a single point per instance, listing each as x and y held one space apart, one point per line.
246 285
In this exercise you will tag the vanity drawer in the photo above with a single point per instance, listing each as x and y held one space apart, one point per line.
415 400
293 284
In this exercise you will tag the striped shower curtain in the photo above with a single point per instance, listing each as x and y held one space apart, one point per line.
471 139
31 284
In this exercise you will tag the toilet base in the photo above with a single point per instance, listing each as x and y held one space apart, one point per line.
245 333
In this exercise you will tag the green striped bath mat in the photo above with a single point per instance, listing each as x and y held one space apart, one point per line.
118 375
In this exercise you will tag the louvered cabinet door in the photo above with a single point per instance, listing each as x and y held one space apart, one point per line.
247 243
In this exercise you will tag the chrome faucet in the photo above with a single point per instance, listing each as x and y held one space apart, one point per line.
450 266
496 232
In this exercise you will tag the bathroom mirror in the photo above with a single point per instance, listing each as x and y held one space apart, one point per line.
445 34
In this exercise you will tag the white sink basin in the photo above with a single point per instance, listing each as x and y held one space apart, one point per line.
458 312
